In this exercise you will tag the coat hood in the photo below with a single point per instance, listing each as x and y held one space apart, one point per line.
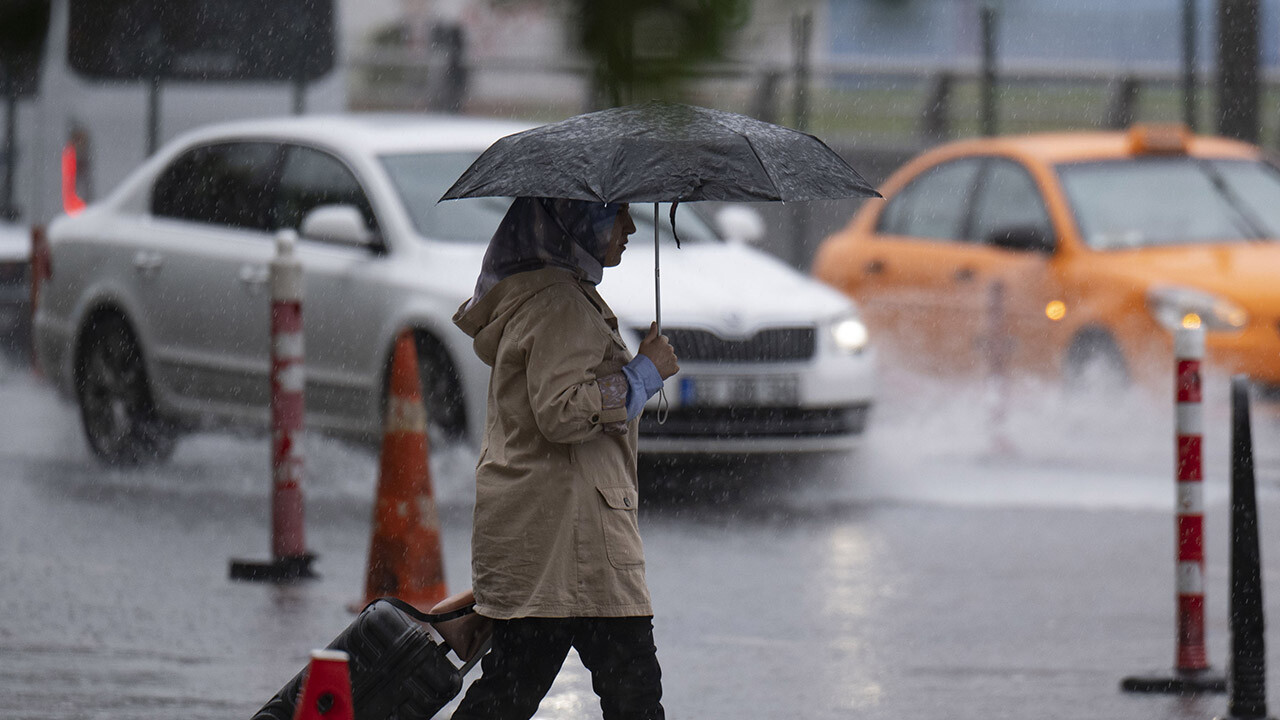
486 319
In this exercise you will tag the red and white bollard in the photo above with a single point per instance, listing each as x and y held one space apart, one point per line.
1191 668
288 385
1189 427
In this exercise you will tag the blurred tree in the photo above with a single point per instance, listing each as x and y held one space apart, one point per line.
646 48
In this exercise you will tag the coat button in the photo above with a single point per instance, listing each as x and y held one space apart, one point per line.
595 418
626 501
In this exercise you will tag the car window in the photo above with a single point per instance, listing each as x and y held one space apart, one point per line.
1256 185
934 205
1120 204
421 178
310 178
222 184
1007 198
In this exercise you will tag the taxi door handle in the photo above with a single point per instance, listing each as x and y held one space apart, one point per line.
963 275
875 267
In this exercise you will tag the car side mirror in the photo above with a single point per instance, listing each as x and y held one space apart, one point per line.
1021 238
740 224
342 224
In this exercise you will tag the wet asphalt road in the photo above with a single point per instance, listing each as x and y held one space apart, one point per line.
923 577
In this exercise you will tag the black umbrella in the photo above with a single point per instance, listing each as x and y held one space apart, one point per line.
661 152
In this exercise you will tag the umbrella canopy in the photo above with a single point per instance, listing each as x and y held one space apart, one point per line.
660 152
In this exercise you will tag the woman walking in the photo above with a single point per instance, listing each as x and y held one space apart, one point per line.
557 560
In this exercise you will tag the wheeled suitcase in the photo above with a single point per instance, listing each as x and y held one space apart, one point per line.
398 670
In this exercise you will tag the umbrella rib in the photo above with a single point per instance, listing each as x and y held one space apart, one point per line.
776 190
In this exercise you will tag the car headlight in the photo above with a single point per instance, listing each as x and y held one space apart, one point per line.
1176 307
849 334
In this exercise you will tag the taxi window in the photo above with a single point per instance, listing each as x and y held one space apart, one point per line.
934 205
1007 199
1123 204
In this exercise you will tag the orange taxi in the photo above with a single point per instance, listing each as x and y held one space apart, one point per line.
1070 255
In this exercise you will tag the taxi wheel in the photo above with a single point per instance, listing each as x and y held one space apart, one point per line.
1094 365
117 412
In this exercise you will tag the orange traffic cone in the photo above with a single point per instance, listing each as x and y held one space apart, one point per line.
326 693
404 555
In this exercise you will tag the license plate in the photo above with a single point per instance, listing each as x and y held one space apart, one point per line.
740 390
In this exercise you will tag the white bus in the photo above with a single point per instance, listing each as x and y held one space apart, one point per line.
115 78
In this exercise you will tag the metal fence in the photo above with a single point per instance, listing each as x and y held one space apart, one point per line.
862 104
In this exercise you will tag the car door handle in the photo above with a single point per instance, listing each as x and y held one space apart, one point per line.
254 277
147 262
875 267
963 275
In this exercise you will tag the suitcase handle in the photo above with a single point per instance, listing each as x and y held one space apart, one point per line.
417 614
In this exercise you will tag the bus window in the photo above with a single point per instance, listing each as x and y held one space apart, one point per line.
201 39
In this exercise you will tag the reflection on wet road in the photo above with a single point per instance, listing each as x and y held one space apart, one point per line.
923 577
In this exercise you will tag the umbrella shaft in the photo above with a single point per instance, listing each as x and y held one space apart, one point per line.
657 275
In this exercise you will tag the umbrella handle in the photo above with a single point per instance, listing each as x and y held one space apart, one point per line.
664 406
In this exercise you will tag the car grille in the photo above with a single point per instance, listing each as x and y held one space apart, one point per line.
770 345
755 422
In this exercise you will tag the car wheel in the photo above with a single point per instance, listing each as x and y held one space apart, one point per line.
116 408
441 391
1094 365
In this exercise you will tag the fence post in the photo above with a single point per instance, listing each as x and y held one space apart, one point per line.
1124 97
801 39
1189 110
1238 60
935 118
987 18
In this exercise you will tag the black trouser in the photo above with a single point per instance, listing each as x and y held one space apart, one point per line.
528 652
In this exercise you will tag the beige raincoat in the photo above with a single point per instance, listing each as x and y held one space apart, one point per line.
555 531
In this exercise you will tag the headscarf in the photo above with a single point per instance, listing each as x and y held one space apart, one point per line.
545 232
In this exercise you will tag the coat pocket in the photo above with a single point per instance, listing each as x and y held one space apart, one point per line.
621 526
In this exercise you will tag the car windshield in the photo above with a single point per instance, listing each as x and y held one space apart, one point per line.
1122 204
421 178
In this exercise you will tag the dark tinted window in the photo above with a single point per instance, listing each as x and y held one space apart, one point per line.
1008 199
201 40
934 205
224 184
310 178
24 25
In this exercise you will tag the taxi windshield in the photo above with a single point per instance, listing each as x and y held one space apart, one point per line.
1124 204
421 178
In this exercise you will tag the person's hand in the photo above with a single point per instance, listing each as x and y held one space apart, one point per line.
656 348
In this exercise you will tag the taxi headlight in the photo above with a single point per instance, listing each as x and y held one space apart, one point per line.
849 334
1175 307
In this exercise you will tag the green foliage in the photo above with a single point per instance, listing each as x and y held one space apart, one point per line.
648 47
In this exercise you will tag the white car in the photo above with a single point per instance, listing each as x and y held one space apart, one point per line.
155 319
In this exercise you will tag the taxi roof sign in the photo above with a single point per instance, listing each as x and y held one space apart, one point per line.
1159 139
